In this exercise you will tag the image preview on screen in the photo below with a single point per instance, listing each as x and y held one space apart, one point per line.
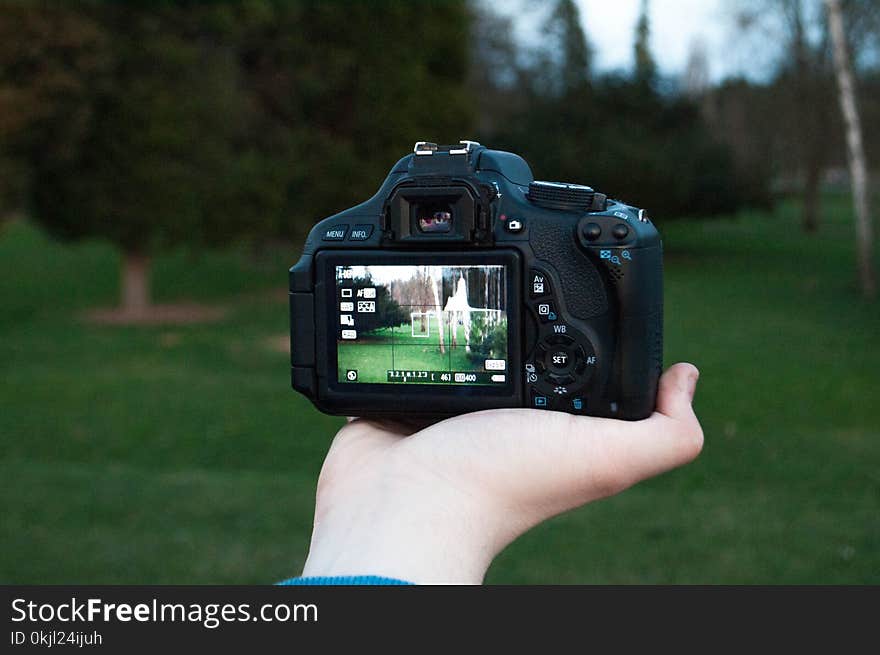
414 324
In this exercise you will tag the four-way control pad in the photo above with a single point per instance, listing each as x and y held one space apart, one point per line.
561 365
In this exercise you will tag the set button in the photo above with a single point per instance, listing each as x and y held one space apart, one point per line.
559 360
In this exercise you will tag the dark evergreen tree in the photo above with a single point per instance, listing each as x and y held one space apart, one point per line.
566 60
178 123
645 67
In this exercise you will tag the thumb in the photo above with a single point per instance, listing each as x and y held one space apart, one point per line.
676 391
669 438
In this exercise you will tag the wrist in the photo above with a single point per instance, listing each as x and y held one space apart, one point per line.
418 537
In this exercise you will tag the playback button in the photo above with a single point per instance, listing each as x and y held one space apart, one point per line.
540 402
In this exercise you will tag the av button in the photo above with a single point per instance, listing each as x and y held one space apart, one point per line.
360 233
335 233
539 285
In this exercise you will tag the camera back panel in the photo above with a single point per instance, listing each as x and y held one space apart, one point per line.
463 284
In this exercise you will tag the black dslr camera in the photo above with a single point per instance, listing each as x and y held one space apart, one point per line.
464 284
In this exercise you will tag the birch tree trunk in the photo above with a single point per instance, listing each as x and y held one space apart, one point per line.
855 151
436 280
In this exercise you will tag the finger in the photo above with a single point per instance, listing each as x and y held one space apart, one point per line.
675 392
555 461
672 436
627 452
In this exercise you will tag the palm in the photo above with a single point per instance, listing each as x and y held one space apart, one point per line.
500 471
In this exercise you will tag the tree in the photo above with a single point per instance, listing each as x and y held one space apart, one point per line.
627 139
48 57
389 314
496 79
745 117
855 151
198 124
695 81
810 78
645 67
803 78
153 161
567 58
343 89
555 99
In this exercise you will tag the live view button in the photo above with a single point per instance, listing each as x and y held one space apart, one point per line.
335 233
360 233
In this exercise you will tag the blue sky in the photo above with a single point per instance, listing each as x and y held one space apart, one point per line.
675 26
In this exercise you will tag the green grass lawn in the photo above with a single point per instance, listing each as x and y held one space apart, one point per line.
180 455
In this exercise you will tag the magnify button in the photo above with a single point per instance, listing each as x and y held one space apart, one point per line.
625 254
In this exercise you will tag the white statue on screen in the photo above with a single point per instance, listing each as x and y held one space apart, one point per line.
458 312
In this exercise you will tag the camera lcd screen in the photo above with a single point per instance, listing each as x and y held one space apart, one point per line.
414 324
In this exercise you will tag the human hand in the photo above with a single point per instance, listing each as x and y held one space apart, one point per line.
438 505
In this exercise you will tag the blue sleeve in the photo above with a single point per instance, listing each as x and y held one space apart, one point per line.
344 580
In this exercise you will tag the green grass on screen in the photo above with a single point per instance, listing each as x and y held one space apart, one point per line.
383 349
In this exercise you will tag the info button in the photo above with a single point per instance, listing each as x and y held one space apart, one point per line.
360 233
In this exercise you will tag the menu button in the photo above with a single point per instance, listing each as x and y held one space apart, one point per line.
335 233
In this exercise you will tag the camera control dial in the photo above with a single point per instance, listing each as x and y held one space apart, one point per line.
560 366
561 195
